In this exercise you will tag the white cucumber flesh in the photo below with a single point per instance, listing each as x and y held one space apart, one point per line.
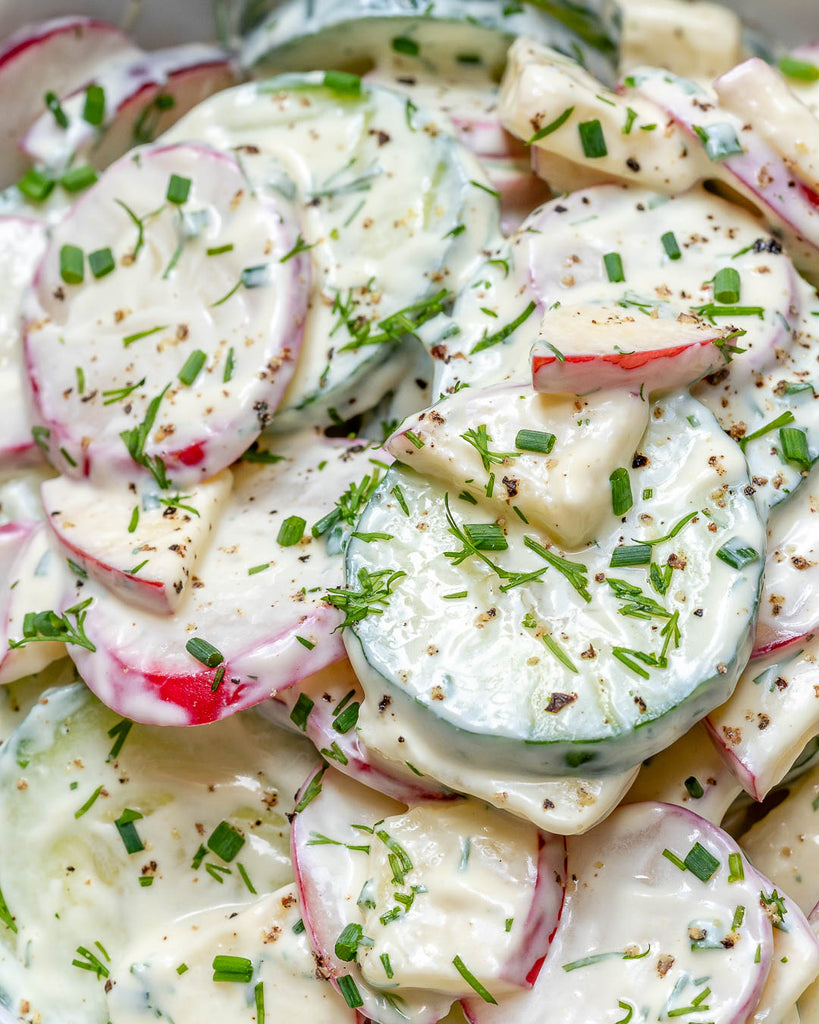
371 181
567 638
80 882
194 360
643 934
144 547
257 598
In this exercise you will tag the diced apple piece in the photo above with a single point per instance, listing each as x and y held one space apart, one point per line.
143 547
143 97
587 348
771 715
185 330
53 56
548 100
561 485
22 243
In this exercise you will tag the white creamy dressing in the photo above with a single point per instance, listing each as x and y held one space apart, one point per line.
366 245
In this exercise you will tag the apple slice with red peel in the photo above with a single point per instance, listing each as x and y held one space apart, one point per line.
109 532
789 604
588 348
257 601
185 338
773 712
500 881
652 909
22 243
33 578
143 97
53 56
325 707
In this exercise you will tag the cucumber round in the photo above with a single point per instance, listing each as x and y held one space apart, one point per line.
373 179
543 675
68 880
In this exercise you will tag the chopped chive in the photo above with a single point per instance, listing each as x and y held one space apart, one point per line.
232 968
6 915
217 250
701 862
648 493
385 963
783 420
552 126
89 803
217 871
129 339
146 880
192 366
613 263
118 394
630 554
455 596
35 185
342 82
298 927
291 531
137 567
486 536
254 569
230 365
672 249
488 340
472 981
225 841
694 787
311 791
592 139
91 962
631 117
53 103
305 642
178 189
127 830
467 497
799 69
736 554
720 141
93 110
346 946
726 285
245 878
678 526
78 178
399 497
72 264
258 997
301 711
414 439
490 485
182 969
402 44
101 262
794 444
736 871
120 730
540 441
259 276
204 652
346 719
758 953
218 676
621 499
675 860
349 989
739 915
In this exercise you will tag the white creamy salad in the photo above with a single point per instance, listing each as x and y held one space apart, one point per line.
408 518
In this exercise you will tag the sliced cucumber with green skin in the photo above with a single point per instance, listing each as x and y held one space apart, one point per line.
300 34
71 877
372 178
563 686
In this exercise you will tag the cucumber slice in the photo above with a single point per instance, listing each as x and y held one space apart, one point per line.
373 178
77 885
563 686
304 34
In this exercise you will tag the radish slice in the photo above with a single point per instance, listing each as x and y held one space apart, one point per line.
770 717
498 879
257 597
206 342
107 532
52 56
546 99
741 158
789 605
689 773
267 933
144 96
587 348
33 580
795 961
561 805
22 243
326 707
641 934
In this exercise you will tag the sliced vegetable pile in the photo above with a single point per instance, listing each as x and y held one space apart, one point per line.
436 432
